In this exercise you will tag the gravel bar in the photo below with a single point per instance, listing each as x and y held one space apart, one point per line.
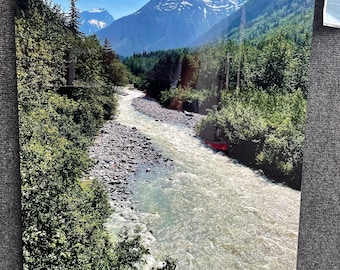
120 151
153 109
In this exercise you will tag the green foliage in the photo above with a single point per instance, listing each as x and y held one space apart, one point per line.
87 54
156 71
237 119
62 221
271 16
116 72
277 62
40 65
96 64
129 250
272 56
212 57
276 53
140 65
184 94
274 122
164 74
73 18
282 150
63 216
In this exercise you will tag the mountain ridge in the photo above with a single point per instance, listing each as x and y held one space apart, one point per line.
91 21
171 24
254 12
166 24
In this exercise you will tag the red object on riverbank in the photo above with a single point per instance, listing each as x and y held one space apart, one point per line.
217 145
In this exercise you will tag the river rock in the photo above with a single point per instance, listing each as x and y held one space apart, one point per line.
120 151
153 109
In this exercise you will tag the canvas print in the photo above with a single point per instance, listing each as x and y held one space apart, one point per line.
157 134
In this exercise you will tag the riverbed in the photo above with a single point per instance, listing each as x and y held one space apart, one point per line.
201 207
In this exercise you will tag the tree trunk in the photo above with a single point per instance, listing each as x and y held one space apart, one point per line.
10 184
319 233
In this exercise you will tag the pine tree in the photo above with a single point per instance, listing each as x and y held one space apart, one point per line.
109 54
107 46
74 16
115 72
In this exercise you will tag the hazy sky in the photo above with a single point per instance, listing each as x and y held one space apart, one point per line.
117 8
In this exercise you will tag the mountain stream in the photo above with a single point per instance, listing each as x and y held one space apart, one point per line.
209 212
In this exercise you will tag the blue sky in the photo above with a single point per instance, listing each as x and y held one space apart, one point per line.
117 8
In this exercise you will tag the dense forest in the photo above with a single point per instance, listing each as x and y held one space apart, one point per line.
63 211
261 82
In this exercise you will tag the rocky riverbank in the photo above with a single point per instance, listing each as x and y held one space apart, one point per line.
120 151
153 109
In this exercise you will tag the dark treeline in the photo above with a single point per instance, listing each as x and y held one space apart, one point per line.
263 85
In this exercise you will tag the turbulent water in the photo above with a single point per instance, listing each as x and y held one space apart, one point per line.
208 211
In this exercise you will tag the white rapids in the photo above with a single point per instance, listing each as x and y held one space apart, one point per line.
209 212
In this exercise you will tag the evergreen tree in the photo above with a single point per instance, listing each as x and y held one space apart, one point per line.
107 46
74 16
114 70
276 54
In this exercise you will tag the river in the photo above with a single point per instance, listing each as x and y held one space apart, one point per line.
208 211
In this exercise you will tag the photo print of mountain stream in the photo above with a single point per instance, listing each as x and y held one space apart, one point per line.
169 134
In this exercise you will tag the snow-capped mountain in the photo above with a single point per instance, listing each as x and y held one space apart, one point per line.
166 24
93 20
212 5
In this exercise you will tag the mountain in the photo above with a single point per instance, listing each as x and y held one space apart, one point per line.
93 20
258 17
166 24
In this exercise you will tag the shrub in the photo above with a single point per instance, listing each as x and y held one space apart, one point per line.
265 130
282 153
129 249
184 94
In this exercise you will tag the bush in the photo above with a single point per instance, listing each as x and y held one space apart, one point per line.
184 94
264 130
282 153
62 217
129 249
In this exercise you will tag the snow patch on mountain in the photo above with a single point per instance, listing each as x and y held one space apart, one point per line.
213 5
96 10
167 6
99 24
186 3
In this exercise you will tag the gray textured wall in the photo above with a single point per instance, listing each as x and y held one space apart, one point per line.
10 185
319 233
